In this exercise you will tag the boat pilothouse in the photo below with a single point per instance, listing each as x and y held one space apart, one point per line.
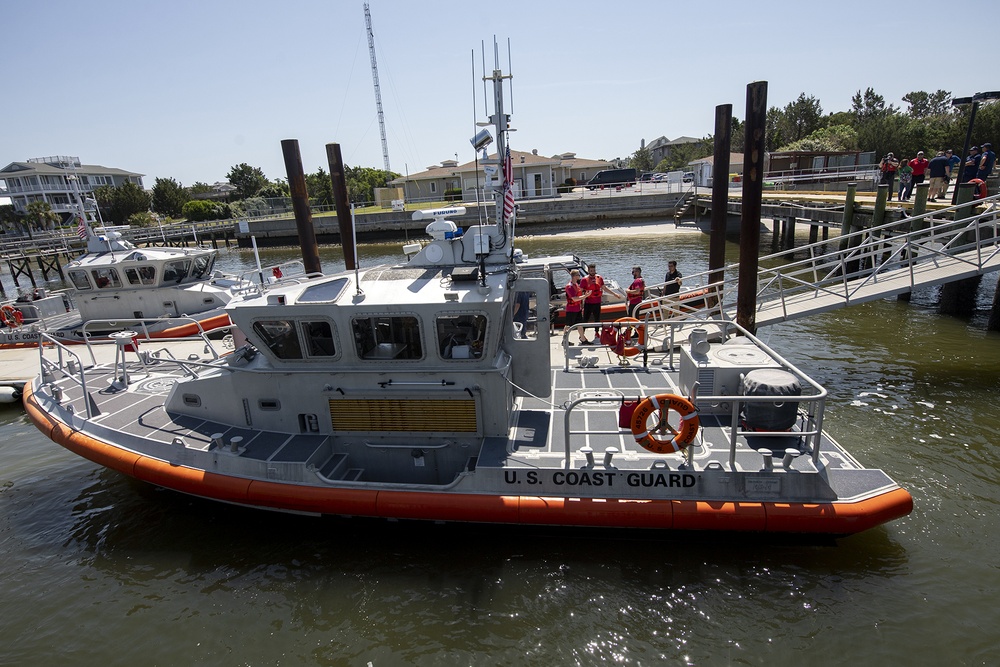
421 357
416 391
114 281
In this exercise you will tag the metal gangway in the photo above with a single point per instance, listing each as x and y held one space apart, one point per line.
931 249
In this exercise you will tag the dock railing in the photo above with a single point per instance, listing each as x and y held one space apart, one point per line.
929 249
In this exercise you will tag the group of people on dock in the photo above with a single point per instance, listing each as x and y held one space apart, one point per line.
584 295
976 167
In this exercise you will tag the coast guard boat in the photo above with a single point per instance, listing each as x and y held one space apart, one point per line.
410 392
170 291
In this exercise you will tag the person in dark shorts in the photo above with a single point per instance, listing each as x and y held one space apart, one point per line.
594 284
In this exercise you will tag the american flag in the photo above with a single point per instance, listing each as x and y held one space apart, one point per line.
81 228
508 187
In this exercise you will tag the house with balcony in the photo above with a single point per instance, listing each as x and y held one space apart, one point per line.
56 179
534 176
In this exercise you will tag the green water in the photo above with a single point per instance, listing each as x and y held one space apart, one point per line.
100 570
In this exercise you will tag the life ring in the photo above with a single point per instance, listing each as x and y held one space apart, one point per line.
11 316
663 403
980 190
624 334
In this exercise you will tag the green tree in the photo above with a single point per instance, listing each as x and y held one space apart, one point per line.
169 197
10 218
833 138
923 104
641 160
320 188
681 155
117 204
801 117
275 190
738 136
197 210
870 106
199 188
41 216
362 181
246 179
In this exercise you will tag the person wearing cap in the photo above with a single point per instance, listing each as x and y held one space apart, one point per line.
971 165
919 165
937 169
986 162
888 167
954 162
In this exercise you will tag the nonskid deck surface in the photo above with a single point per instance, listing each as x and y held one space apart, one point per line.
127 416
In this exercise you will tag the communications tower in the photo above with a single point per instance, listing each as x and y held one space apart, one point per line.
378 94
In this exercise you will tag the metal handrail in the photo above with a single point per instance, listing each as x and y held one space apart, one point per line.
877 251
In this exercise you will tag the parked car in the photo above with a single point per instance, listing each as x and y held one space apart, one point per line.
612 178
689 177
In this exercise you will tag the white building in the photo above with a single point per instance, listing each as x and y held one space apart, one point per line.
50 179
534 176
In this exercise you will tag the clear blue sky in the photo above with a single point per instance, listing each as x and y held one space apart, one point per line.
186 89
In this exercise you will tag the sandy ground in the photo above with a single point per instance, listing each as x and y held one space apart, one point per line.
657 227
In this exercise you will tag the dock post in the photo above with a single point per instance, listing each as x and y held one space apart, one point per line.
338 178
847 226
919 207
789 234
959 297
300 205
753 190
720 192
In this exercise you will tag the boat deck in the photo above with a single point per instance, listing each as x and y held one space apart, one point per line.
538 437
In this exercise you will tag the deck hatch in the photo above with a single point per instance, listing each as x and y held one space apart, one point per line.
404 415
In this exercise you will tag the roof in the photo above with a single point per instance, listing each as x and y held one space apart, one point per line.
40 168
450 168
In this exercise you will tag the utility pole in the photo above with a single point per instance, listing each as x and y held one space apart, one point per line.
378 94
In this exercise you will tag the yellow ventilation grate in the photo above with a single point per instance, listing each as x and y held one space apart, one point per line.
404 414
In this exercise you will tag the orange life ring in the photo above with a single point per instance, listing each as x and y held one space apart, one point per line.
624 334
980 191
663 403
11 316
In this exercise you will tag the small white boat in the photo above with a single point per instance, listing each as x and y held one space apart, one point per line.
408 392
173 290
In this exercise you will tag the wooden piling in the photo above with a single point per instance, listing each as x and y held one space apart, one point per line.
753 189
959 297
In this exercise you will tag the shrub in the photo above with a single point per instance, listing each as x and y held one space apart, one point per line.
197 210
454 194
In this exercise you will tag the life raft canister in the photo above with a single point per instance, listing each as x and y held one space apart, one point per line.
663 403
620 346
11 316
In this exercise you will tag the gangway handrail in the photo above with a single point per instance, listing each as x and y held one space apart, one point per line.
862 258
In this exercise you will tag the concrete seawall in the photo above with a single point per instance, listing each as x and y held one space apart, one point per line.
574 207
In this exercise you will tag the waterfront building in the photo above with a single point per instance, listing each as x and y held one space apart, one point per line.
534 176
50 179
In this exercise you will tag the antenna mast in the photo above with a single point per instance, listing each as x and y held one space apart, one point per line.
378 94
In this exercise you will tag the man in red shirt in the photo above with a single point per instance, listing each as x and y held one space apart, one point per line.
594 285
919 167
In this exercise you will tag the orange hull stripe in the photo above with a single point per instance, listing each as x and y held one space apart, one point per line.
829 518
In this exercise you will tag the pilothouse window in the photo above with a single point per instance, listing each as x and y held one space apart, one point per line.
141 275
461 336
319 339
279 336
387 337
174 272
